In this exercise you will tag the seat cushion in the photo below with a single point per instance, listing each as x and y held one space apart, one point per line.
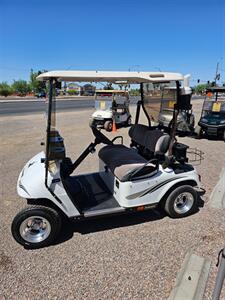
122 160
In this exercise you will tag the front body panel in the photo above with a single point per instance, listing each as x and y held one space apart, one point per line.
31 184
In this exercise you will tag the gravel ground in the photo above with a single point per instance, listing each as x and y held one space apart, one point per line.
124 257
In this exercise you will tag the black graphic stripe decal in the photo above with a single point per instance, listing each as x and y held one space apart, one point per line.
152 189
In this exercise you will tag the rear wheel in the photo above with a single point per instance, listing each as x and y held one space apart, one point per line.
181 202
36 226
108 126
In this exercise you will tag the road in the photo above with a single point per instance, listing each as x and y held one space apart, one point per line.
15 107
38 106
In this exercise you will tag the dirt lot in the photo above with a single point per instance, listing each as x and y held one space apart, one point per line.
124 257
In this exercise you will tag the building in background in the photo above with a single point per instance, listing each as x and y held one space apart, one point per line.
73 89
88 90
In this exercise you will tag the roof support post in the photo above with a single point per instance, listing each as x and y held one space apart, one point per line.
50 95
142 104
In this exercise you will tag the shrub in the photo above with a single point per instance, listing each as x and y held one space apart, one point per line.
135 92
5 89
21 87
72 92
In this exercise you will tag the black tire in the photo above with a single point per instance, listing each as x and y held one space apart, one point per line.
108 126
224 135
53 219
177 210
192 122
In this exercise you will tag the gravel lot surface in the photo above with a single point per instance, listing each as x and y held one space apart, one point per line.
124 257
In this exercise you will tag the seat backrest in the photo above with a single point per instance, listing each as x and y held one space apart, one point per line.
163 144
137 133
152 140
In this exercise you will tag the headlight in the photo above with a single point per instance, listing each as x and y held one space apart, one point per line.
204 120
222 122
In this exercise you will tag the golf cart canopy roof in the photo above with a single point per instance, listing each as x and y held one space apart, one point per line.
113 77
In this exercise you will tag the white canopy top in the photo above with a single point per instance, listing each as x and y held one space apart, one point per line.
108 76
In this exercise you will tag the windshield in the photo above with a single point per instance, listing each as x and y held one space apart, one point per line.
214 118
106 100
216 96
54 143
157 96
167 111
213 107
103 105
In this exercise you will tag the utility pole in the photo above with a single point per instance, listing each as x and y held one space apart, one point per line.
217 76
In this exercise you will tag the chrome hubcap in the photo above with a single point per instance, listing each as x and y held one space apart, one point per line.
35 229
183 203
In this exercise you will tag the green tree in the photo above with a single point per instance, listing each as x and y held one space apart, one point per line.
135 92
200 88
21 87
5 89
37 86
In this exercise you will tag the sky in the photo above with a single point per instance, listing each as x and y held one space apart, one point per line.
137 35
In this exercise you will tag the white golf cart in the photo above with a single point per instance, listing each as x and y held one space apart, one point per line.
185 118
111 105
152 172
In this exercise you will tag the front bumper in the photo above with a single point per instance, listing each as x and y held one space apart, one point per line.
212 129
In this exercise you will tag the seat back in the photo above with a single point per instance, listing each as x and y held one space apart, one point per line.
163 144
149 141
137 134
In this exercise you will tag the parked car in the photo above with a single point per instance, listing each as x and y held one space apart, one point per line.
41 94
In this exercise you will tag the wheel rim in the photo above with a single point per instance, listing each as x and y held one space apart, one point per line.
183 203
35 229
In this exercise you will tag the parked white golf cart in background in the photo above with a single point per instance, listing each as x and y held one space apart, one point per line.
185 118
111 105
153 172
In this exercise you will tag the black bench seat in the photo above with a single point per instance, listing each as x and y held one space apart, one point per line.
125 163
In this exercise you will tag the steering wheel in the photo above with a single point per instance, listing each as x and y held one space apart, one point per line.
100 137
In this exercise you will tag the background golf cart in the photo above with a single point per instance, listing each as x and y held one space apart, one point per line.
111 105
212 121
185 118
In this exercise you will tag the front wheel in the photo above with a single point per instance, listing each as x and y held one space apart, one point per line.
108 126
36 226
181 202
